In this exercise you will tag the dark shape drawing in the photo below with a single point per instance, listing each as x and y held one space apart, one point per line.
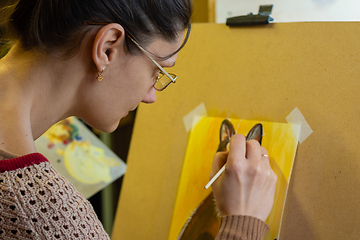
204 223
226 132
255 133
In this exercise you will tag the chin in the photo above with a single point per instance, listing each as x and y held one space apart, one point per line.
106 128
110 129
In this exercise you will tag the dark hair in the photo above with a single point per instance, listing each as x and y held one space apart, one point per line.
58 24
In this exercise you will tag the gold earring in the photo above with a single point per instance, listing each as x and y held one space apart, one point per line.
100 75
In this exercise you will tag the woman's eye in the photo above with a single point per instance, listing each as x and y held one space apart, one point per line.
157 74
156 77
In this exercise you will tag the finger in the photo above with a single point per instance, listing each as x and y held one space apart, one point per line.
237 148
219 161
264 154
265 159
253 150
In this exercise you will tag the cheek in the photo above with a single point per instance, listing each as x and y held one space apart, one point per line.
119 93
132 85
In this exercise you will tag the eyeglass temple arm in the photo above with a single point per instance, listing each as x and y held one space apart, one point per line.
157 64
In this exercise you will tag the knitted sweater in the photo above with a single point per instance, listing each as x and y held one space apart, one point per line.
36 202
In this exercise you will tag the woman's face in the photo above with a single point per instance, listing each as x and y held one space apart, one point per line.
128 80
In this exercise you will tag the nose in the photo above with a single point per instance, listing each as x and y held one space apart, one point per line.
150 96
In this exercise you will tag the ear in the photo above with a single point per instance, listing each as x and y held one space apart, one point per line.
226 132
108 43
256 133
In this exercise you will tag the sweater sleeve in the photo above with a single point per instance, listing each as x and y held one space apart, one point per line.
241 227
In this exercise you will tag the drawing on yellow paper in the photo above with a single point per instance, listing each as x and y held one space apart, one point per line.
194 215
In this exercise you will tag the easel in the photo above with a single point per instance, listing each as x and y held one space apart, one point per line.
260 72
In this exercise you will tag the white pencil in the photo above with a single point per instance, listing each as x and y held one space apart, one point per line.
215 177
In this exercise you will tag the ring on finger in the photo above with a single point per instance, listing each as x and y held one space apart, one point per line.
265 155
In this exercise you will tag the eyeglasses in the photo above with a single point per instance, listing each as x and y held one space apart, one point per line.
163 78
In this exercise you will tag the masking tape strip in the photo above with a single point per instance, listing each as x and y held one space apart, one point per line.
296 118
189 118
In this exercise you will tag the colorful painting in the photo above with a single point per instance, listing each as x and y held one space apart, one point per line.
194 211
80 156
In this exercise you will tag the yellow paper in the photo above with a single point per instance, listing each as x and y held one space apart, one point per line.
278 139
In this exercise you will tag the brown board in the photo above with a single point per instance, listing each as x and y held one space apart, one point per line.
257 73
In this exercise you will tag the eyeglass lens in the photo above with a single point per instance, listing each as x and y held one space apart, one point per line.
162 81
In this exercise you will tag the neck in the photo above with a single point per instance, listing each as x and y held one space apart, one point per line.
36 92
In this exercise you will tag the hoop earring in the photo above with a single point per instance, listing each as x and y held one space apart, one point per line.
100 75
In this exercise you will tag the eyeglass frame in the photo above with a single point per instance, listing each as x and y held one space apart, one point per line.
173 79
147 53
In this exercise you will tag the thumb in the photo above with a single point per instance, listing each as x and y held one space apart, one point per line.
219 161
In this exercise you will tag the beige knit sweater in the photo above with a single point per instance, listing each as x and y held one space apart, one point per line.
36 202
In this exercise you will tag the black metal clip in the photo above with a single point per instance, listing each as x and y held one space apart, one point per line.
263 17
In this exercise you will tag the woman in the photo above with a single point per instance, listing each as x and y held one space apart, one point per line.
98 60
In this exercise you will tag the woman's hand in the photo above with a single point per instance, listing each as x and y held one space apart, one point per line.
247 186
